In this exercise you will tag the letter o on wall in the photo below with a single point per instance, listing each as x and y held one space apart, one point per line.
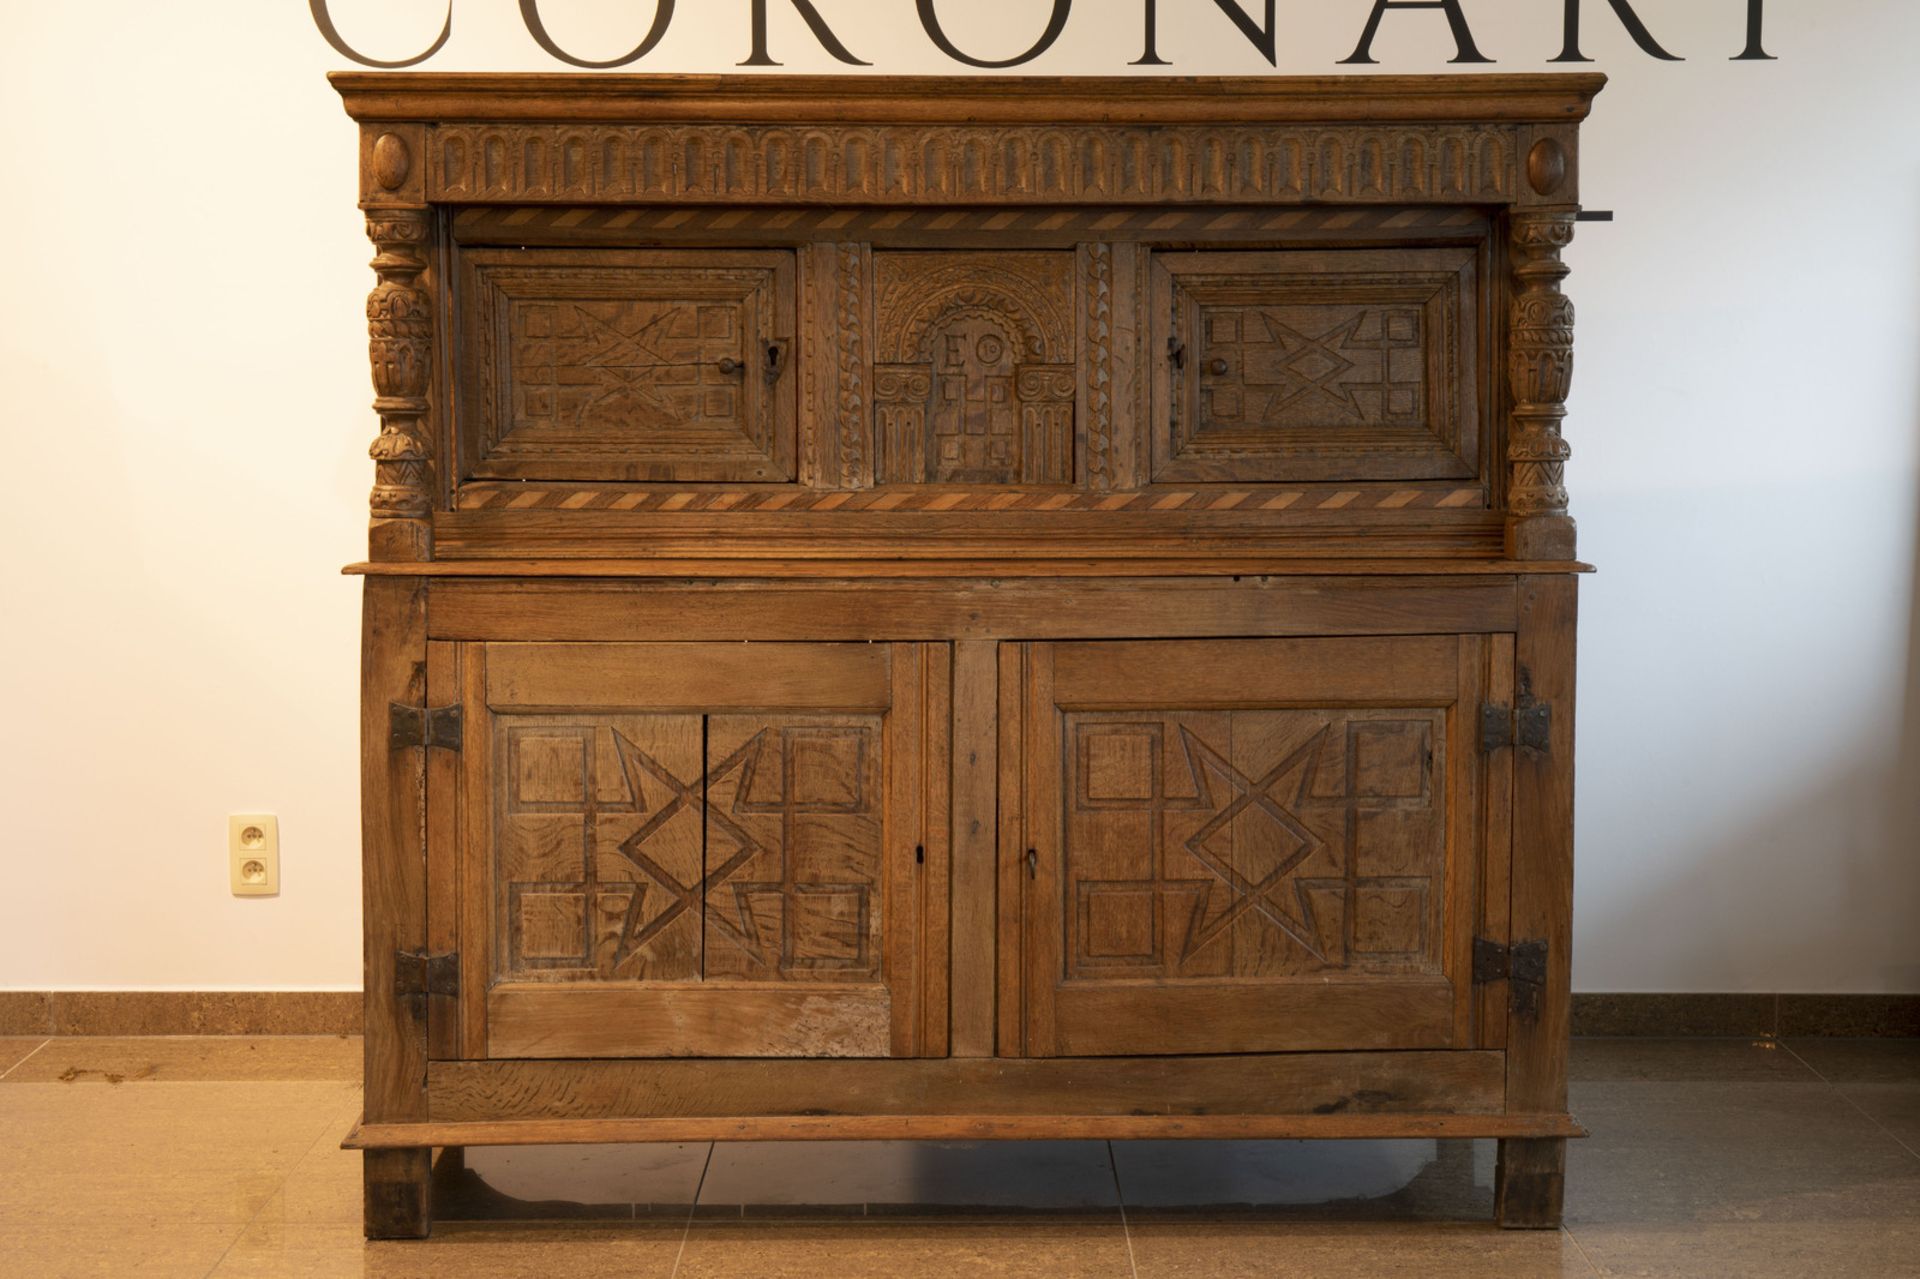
324 20
662 17
1055 25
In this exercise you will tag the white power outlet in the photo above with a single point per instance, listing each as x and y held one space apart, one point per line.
253 853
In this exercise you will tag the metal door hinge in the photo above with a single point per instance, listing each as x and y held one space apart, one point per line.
1527 724
424 726
1522 965
418 973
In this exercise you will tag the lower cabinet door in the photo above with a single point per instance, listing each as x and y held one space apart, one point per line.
1255 845
695 850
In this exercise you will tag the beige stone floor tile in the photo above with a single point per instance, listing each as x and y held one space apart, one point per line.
111 1246
1856 1061
1755 1250
753 1178
1363 1180
323 1186
1233 1248
1895 1107
184 1153
1672 1153
892 1248
13 1050
191 1059
1686 1060
630 1250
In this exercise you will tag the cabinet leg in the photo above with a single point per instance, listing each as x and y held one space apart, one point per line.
1530 1183
398 1205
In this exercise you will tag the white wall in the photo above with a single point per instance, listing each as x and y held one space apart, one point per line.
183 366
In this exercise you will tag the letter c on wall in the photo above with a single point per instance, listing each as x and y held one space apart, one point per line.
324 20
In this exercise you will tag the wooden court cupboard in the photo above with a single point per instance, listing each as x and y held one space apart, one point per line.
967 609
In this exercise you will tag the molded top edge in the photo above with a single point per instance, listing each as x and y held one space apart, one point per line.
964 99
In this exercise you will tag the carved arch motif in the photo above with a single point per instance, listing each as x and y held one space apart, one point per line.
975 380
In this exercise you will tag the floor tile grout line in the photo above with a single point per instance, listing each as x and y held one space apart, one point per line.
278 1190
1120 1199
1592 1265
686 1231
1842 1094
24 1060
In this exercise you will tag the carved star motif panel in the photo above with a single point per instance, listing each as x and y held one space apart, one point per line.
673 848
1342 365
794 825
974 367
598 857
628 365
1254 843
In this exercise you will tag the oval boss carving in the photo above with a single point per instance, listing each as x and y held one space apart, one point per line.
1547 166
391 161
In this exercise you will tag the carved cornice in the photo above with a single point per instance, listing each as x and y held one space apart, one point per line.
909 164
1249 100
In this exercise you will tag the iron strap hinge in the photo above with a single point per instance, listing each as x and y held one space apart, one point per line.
1522 965
424 726
419 973
1527 724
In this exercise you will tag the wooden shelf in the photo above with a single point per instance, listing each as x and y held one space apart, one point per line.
963 568
542 1132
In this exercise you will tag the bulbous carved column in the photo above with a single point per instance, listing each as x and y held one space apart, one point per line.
1540 370
400 344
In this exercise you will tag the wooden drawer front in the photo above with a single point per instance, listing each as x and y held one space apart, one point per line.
1252 845
1328 365
974 374
670 365
697 850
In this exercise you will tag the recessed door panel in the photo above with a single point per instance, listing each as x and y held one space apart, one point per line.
1325 365
666 365
700 850
1251 845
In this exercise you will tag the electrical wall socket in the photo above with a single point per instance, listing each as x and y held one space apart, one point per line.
253 854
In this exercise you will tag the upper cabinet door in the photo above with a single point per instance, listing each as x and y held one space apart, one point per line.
670 365
705 850
1326 365
1252 845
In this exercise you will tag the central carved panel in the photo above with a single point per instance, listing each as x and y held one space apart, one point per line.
974 374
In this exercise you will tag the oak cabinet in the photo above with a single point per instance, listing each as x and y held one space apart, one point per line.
967 610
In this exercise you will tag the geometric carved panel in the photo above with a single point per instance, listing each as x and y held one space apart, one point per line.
974 367
597 853
1254 844
1316 366
628 366
668 848
794 824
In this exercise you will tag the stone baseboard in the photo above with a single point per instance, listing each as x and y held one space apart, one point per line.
177 1012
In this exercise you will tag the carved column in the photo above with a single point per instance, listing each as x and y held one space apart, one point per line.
1540 368
400 343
